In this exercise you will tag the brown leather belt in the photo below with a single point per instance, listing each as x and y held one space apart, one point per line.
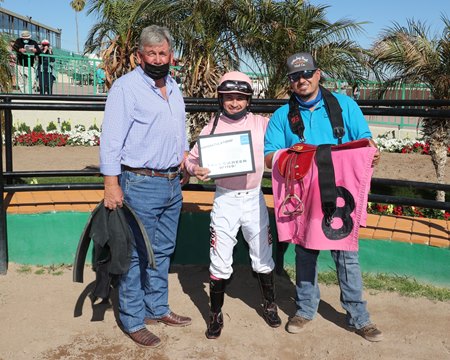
170 174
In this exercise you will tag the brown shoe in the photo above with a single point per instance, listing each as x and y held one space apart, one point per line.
171 319
145 338
370 332
296 324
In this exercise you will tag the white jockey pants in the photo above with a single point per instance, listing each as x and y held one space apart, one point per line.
234 209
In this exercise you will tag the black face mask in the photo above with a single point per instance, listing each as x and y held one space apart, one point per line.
235 116
156 72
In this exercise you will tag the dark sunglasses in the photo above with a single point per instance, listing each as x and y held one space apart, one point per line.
238 86
307 74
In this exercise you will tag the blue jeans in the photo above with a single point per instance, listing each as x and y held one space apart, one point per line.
143 291
350 282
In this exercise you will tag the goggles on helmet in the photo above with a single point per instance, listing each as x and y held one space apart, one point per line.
235 86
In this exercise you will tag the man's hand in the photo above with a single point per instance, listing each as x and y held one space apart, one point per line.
377 156
268 160
185 175
113 196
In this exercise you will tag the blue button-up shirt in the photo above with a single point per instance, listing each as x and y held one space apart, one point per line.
141 128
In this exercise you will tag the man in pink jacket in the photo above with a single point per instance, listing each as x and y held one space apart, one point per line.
238 203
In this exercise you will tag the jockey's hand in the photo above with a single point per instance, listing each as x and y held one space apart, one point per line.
201 173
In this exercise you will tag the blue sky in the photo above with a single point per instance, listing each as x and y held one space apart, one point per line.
381 14
57 14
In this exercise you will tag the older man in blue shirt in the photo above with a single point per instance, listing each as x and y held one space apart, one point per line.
142 148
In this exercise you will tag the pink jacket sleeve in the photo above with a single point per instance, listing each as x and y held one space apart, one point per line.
193 158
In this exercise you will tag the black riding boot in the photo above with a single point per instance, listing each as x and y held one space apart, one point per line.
216 294
270 311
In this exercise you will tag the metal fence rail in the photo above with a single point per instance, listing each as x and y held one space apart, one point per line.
8 102
78 75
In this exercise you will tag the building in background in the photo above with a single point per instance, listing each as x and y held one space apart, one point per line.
12 24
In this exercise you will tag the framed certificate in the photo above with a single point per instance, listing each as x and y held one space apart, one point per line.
228 154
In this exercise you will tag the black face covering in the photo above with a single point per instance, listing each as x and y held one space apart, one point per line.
236 116
156 72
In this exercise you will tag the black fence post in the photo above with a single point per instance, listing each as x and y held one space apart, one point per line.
3 232
8 140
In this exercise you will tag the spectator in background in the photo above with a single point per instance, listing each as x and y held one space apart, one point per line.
45 73
101 77
355 92
12 63
26 49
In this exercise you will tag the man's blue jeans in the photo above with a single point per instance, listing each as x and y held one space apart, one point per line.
143 291
350 282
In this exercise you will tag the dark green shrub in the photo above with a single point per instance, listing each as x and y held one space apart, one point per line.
23 128
94 127
38 128
65 126
51 126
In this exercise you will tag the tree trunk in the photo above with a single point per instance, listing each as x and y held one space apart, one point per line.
76 25
439 158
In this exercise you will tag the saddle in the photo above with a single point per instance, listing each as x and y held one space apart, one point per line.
295 163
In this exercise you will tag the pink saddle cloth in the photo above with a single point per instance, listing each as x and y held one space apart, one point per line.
353 171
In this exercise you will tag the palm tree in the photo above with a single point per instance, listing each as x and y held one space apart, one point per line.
409 55
117 33
5 69
275 30
208 47
77 5
212 37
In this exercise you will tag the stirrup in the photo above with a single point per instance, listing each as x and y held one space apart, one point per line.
298 209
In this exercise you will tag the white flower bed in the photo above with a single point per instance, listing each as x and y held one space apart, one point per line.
395 145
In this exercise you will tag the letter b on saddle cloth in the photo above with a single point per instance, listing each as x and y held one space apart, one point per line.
320 194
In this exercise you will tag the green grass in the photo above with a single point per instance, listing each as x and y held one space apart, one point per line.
63 180
24 269
402 285
55 270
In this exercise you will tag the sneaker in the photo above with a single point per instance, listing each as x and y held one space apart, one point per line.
296 324
370 333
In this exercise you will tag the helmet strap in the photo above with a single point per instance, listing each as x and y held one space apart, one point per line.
238 115
235 116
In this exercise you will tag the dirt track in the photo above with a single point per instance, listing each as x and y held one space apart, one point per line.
49 317
392 166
